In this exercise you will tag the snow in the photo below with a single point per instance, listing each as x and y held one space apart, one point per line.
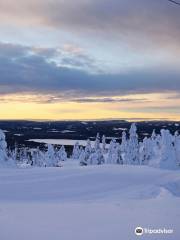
67 131
160 151
145 134
63 131
117 129
5 131
110 138
85 123
88 203
54 131
105 201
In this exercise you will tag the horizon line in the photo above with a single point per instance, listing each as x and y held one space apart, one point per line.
90 120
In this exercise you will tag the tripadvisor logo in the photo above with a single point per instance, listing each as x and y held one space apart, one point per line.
139 231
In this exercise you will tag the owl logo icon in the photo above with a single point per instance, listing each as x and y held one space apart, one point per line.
139 231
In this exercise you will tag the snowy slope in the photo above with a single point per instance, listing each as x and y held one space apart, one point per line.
88 203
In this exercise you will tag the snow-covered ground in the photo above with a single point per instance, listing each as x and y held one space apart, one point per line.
88 203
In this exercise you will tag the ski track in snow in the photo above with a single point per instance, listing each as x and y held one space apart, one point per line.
93 183
87 203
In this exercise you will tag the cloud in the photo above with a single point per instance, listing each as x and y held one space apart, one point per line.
157 109
28 69
137 22
174 96
108 100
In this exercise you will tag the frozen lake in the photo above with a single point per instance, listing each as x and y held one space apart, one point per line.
66 142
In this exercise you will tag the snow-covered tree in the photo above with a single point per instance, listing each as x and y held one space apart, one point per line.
96 158
97 142
145 151
168 157
3 149
155 147
111 152
88 149
61 154
117 155
104 144
13 154
50 158
85 154
35 157
4 160
23 156
76 151
83 159
100 155
153 135
123 148
133 146
177 147
38 158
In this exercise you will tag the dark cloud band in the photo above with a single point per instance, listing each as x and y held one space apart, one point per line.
25 69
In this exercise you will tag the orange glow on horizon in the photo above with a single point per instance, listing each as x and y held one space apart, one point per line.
155 107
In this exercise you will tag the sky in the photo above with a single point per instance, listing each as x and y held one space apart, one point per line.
89 59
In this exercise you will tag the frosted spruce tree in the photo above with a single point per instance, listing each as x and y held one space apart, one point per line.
100 157
153 135
97 142
156 149
88 149
145 151
41 158
4 160
23 156
104 144
38 158
50 157
83 159
133 146
61 154
116 156
96 158
85 154
76 151
177 147
13 154
3 149
155 144
167 155
112 154
124 147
